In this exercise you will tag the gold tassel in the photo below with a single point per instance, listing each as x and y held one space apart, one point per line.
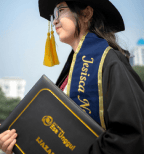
50 57
54 54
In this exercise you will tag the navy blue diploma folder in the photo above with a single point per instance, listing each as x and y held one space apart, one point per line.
49 122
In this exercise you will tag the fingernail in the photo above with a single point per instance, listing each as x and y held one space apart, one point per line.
14 130
14 140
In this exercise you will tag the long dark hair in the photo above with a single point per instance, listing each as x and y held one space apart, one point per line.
98 25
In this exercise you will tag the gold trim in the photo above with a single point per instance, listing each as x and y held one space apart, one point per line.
100 90
19 149
73 63
62 103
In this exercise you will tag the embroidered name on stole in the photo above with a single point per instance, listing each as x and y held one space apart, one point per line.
84 83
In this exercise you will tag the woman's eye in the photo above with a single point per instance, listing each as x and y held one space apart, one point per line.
60 10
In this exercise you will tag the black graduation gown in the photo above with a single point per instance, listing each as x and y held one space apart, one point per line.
123 100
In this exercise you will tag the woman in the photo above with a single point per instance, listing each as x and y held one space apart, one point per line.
97 75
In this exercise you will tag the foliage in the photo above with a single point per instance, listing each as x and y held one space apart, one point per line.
7 105
140 71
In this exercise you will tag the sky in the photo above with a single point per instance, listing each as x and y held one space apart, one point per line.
23 35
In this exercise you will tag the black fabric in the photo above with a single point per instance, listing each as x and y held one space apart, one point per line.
123 98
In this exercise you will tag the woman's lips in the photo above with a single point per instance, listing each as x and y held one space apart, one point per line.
57 28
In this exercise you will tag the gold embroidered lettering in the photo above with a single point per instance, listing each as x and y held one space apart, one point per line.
84 74
42 145
49 151
39 141
85 64
85 105
68 143
63 138
86 61
73 148
53 128
81 88
61 134
65 141
82 82
57 130
82 78
70 146
84 69
45 147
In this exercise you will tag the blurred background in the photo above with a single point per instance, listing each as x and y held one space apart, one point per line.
23 35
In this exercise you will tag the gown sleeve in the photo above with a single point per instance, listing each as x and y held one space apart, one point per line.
123 112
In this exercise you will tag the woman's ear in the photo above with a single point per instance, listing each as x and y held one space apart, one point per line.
87 13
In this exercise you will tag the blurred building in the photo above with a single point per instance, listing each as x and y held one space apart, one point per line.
13 87
138 52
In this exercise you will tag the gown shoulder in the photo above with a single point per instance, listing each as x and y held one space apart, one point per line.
123 101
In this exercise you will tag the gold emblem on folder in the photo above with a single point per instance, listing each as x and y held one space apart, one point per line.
47 120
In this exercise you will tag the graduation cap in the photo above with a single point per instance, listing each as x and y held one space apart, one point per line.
111 14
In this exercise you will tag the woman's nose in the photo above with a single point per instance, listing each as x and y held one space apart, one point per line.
55 21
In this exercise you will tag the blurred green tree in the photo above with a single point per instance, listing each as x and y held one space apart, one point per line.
7 105
140 71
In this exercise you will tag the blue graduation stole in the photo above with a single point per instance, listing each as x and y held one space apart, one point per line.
84 74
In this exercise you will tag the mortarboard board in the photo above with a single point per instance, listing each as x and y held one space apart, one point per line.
112 15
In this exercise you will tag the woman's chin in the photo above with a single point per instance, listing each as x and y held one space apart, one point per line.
62 39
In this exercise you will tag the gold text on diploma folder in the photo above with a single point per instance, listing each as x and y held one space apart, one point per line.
44 146
48 121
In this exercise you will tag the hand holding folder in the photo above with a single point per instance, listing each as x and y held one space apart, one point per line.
48 121
7 140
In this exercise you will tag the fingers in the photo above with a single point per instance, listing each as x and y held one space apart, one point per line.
7 135
1 137
7 140
4 133
10 147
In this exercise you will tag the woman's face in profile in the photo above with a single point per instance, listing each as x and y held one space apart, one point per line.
65 23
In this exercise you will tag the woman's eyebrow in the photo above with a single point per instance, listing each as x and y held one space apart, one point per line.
60 5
